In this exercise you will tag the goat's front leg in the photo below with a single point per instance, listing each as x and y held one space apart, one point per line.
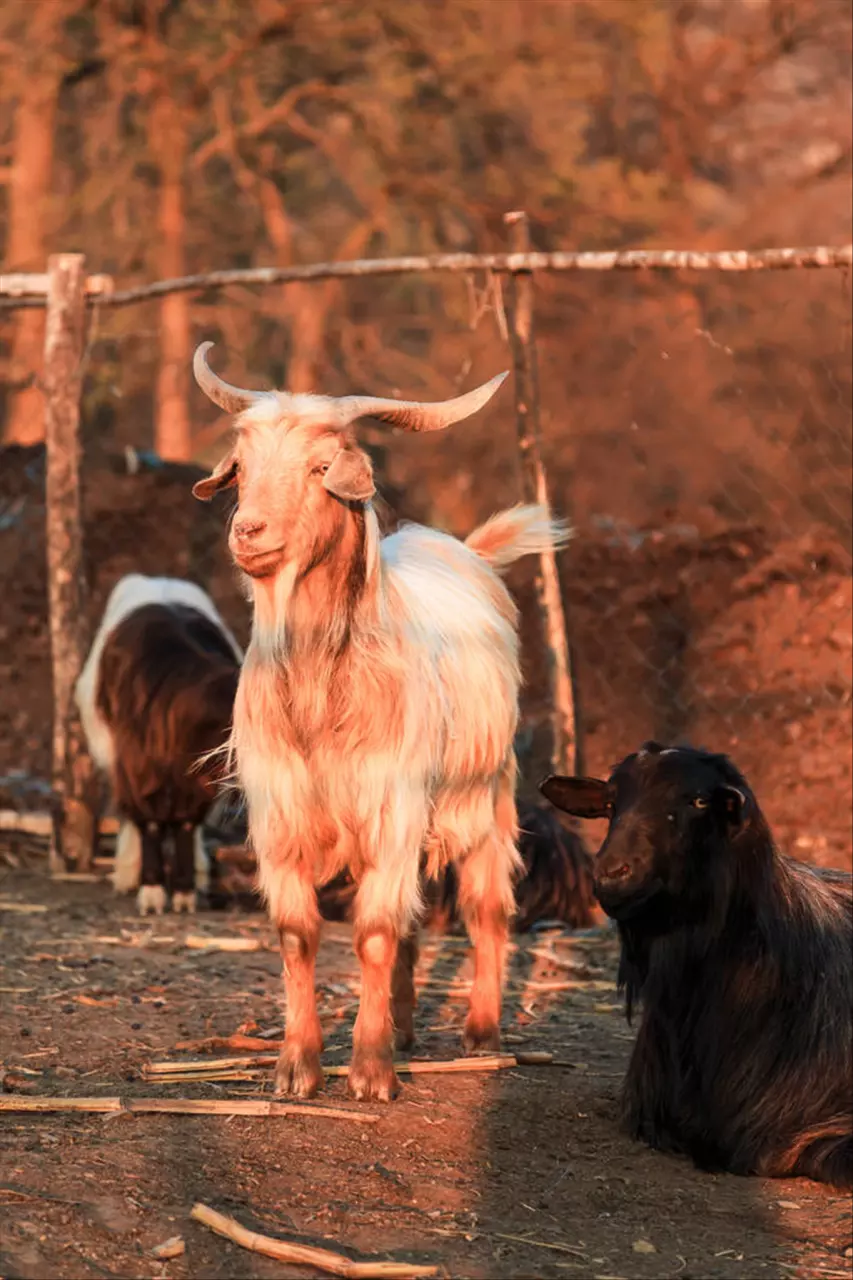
293 907
371 1073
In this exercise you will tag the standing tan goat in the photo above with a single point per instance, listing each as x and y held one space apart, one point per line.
376 710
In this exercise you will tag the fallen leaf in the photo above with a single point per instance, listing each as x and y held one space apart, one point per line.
643 1246
174 1247
787 1204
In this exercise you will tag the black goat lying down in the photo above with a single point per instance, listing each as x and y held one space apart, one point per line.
555 884
744 962
155 697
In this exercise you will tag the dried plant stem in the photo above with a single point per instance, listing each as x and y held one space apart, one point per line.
336 1264
151 1070
198 942
245 1107
186 1107
205 1076
240 1068
15 1103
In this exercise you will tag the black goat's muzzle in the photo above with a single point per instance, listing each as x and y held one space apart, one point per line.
622 884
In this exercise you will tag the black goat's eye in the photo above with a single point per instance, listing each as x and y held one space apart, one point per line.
670 817
700 802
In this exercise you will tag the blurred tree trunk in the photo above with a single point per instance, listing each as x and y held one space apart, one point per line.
29 193
172 434
304 305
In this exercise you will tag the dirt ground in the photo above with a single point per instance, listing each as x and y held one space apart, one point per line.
518 1173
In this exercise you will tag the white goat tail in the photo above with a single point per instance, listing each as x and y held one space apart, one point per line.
520 531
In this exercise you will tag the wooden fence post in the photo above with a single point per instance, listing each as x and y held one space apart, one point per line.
74 827
565 744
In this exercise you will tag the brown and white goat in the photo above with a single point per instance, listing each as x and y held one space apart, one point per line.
376 709
156 697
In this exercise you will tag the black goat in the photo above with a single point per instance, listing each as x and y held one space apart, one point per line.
156 697
744 962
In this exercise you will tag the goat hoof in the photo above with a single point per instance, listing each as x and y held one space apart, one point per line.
481 1037
184 901
372 1079
298 1072
151 899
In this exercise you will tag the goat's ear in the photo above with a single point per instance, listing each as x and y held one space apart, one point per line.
736 804
582 797
223 475
350 476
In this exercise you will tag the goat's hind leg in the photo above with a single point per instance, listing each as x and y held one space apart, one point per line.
152 889
183 867
486 902
403 998
293 908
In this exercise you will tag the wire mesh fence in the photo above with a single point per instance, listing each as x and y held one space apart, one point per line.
697 430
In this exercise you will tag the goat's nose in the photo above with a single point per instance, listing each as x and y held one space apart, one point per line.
612 875
247 529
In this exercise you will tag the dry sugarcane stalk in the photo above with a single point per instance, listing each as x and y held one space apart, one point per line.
591 984
60 1104
559 962
41 824
153 1069
78 877
185 1107
244 1107
336 1264
207 1077
218 1068
498 1062
198 942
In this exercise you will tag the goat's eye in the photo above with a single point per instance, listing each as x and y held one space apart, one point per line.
322 469
670 817
700 803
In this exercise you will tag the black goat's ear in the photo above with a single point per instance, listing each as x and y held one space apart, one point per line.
582 797
736 804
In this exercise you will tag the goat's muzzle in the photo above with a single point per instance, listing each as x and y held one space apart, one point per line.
622 881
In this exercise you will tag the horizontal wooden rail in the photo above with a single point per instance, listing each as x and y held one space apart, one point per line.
13 291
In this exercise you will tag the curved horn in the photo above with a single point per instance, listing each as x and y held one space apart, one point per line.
231 399
412 415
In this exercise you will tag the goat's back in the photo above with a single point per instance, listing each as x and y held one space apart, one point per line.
745 1052
166 685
